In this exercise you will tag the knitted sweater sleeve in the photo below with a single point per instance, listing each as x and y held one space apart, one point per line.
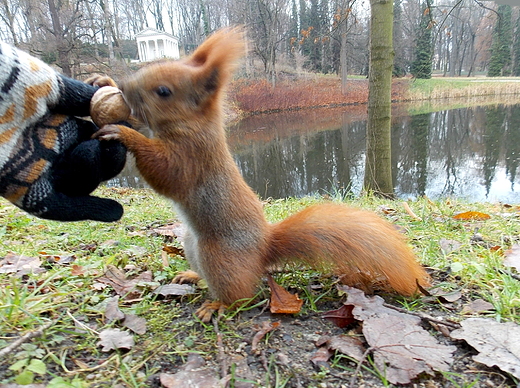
37 89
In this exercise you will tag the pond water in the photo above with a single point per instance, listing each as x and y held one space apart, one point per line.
469 153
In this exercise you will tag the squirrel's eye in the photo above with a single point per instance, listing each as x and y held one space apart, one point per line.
163 91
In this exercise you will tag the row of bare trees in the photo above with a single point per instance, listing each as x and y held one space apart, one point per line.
329 36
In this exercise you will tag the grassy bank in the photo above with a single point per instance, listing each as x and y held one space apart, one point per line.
258 96
53 283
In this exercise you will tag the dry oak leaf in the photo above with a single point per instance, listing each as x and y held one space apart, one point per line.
112 311
477 306
266 327
20 264
193 374
472 216
174 289
135 323
401 347
348 345
115 339
171 231
512 257
282 301
341 317
121 284
321 356
498 343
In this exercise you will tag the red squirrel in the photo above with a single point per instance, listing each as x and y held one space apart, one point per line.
228 241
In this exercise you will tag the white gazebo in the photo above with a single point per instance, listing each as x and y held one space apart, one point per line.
154 44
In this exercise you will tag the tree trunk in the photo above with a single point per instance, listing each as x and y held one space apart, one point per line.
343 50
378 166
61 46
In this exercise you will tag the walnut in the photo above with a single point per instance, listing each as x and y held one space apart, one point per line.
108 106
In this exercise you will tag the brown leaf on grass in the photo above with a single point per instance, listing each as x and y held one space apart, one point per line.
404 349
242 372
173 250
401 347
20 264
123 286
448 246
60 259
112 311
77 270
498 343
174 289
266 327
112 339
445 296
348 345
472 216
512 257
477 306
135 323
341 317
282 301
193 374
321 356
171 231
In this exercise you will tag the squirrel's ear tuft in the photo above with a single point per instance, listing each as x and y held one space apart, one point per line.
217 57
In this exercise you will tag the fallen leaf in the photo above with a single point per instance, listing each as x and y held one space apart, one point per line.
60 259
512 257
266 327
472 216
135 323
348 345
446 296
123 286
498 343
112 339
174 289
402 349
77 270
171 231
448 246
321 356
20 264
173 250
241 372
477 306
341 317
282 301
135 251
193 374
112 311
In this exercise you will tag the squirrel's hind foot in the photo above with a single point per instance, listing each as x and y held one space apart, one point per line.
205 312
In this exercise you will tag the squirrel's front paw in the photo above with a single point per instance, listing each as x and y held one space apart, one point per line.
186 277
205 312
108 132
100 80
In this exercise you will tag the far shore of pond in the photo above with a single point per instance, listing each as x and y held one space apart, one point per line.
256 96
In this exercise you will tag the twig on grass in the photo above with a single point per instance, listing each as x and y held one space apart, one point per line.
423 316
410 212
24 338
220 348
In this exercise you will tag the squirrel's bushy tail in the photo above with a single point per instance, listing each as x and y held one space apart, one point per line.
360 247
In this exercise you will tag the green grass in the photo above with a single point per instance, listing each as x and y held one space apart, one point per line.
474 90
60 295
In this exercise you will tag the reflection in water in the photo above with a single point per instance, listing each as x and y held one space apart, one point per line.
465 153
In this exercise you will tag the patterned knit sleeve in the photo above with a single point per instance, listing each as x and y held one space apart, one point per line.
28 87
